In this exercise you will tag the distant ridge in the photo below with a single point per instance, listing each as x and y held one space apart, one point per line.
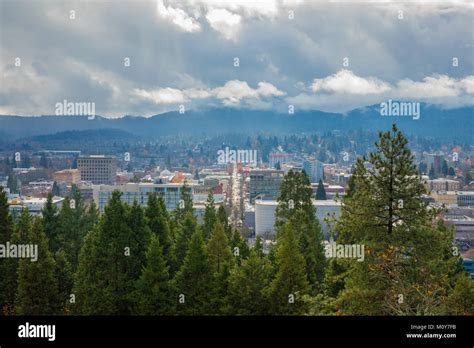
451 124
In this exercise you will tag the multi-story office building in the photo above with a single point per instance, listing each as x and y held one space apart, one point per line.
99 170
460 198
139 192
314 169
443 185
265 183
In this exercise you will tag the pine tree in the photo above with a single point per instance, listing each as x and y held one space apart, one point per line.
12 183
432 173
451 171
183 235
221 261
295 206
259 247
444 167
50 224
152 295
239 246
290 283
321 192
7 266
409 267
37 292
224 220
158 223
247 284
194 279
210 217
64 276
138 239
55 191
110 260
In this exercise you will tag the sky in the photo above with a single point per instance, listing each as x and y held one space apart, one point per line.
146 57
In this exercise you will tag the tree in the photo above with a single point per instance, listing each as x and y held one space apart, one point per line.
223 219
183 235
7 266
321 192
64 276
239 246
290 283
295 206
444 167
194 279
158 223
110 261
467 177
409 266
247 284
278 166
185 205
221 261
451 171
210 216
55 191
50 223
37 292
12 183
152 295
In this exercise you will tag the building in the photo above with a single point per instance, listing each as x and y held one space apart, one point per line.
442 185
265 183
99 170
265 215
33 204
331 190
314 169
434 160
139 192
460 198
69 176
281 158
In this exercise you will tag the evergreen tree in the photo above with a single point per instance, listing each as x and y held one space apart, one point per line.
64 276
183 235
37 291
7 266
12 183
138 239
247 284
321 192
239 246
55 191
158 223
43 161
50 224
408 267
221 261
451 171
110 260
444 167
290 283
194 279
223 219
152 295
432 173
259 247
210 216
185 205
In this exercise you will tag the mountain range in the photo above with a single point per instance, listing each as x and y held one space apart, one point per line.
434 121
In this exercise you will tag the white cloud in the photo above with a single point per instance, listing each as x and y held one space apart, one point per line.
345 81
232 93
435 86
178 17
225 22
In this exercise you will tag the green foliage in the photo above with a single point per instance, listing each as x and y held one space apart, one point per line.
37 292
152 295
321 192
210 216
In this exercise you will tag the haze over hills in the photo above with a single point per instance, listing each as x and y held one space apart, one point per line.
450 124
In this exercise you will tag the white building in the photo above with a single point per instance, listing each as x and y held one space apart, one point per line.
265 215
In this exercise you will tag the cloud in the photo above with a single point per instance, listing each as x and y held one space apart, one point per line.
345 81
225 22
178 17
435 86
231 94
